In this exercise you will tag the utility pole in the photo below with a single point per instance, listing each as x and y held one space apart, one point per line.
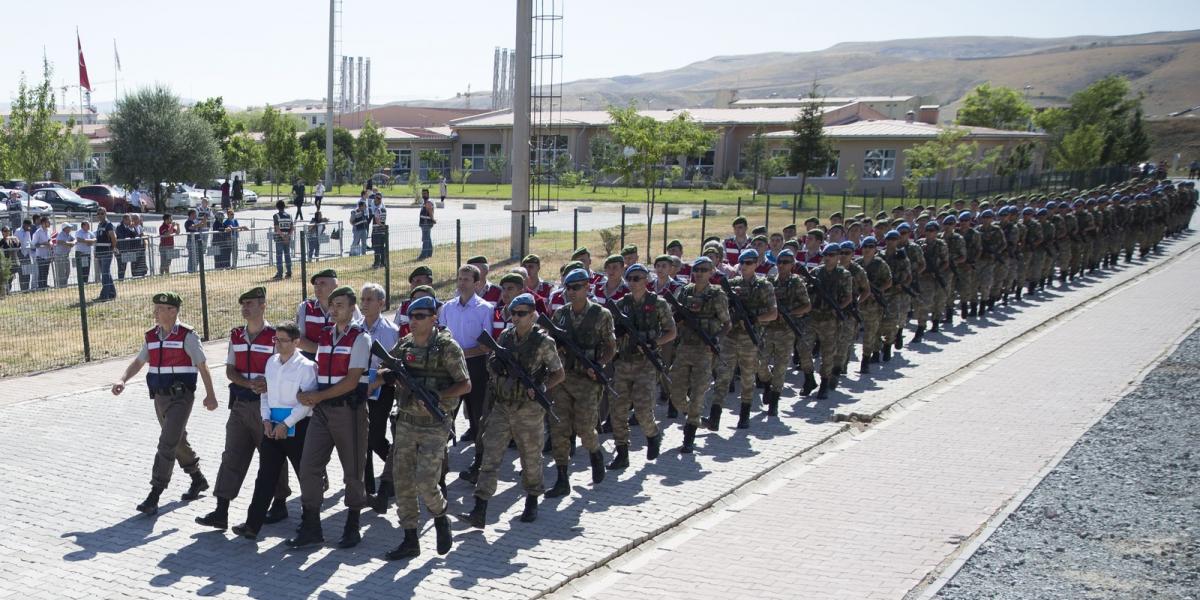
329 105
520 138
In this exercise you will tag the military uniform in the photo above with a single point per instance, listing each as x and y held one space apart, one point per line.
791 294
576 400
956 249
991 263
652 317
692 371
879 276
837 284
848 328
737 351
933 292
898 299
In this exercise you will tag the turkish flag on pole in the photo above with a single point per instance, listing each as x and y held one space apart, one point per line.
83 78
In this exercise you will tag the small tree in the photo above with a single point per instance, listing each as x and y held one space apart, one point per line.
223 127
281 148
370 151
497 165
244 154
463 174
435 161
34 142
1137 143
312 164
997 107
1080 149
809 151
755 159
604 157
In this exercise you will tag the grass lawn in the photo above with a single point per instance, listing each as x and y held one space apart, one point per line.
580 193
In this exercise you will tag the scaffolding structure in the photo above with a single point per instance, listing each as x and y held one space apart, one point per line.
550 154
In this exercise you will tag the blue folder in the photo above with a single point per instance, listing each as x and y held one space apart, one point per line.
279 415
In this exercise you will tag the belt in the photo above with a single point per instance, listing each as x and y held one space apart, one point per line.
342 401
171 391
418 421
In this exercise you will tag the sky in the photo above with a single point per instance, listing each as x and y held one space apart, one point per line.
259 51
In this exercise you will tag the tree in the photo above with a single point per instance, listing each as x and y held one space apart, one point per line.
809 151
213 112
604 157
997 107
754 159
154 140
244 154
434 159
464 174
370 151
1137 142
943 155
343 149
312 164
1105 104
497 165
1082 148
35 143
281 148
77 150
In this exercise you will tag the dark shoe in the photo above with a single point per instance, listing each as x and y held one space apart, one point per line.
919 335
468 435
899 339
217 519
875 357
149 506
199 484
597 459
562 485
309 533
823 391
744 416
672 412
773 402
529 515
244 531
444 540
478 515
810 383
1004 299
963 309
887 354
865 367
472 473
653 444
714 417
410 547
1017 298
350 534
384 498
949 315
936 326
621 460
278 511
689 439
974 310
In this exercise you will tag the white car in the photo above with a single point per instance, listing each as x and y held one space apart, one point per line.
30 207
181 196
249 197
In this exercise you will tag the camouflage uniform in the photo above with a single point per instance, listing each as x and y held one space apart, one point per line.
691 373
1035 254
837 283
778 339
848 327
967 282
419 446
1049 249
991 261
736 349
576 400
516 416
652 317
933 294
878 275
899 301
956 248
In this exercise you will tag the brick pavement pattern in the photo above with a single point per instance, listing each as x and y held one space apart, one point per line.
77 461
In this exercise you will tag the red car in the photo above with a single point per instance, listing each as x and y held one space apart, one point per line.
112 198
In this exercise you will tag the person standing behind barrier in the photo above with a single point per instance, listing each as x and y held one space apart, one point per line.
466 316
189 226
359 221
41 254
85 240
140 267
426 222
106 241
315 228
379 232
231 227
442 189
63 242
166 243
283 226
318 194
204 222
126 245
298 198
225 195
237 192
10 247
25 264
175 356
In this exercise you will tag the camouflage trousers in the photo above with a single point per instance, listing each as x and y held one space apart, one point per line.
521 420
576 401
847 331
874 335
826 328
1063 260
635 388
1129 239
948 293
418 453
804 343
737 351
1077 255
896 317
985 270
778 343
691 377
929 299
965 283
1033 266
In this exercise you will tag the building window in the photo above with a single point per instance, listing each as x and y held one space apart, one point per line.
476 154
402 164
879 164
546 151
702 165
430 172
830 170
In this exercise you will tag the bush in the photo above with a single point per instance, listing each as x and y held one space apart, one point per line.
570 179
610 238
732 183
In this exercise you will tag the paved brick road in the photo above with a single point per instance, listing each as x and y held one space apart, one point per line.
76 464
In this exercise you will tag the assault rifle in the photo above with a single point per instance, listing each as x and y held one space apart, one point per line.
518 372
823 293
737 307
692 320
565 340
427 398
647 347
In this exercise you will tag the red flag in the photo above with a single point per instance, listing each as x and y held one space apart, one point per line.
83 78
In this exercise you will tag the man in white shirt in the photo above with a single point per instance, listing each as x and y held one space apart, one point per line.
85 240
380 396
41 254
63 242
284 422
319 194
25 254
466 317
379 231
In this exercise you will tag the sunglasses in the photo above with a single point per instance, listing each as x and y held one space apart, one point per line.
635 278
575 287
701 269
787 262
522 313
420 316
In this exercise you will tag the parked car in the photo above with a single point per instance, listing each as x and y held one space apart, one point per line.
181 196
249 197
13 184
31 208
64 200
37 185
111 197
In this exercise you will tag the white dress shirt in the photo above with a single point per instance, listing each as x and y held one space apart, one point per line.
467 321
284 381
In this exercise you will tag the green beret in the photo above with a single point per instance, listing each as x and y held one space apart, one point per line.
899 208
675 244
477 260
816 233
789 226
324 273
254 293
614 259
985 205
739 221
759 238
568 267
881 215
582 250
836 215
630 249
344 290
666 257
960 201
897 223
760 230
860 216
420 288
168 298
419 271
513 278
712 238
918 208
946 206
532 258
836 226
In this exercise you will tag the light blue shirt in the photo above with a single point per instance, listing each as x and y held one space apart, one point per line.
385 332
467 321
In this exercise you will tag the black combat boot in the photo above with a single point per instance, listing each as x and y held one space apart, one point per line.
949 315
444 540
886 354
823 391
478 515
199 484
150 504
689 439
384 498
350 534
471 474
1128 256
309 533
244 530
964 309
653 445
411 546
744 416
865 367
1004 299
1017 296
562 485
714 417
672 412
621 460
597 459
529 515
900 339
919 335
936 325
810 383
279 512
773 403
219 518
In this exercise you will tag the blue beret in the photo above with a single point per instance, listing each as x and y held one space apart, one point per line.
786 253
576 275
525 299
1041 212
1141 197
892 234
949 220
1051 205
1077 203
846 245
422 303
987 214
1104 198
703 260
748 254
932 226
635 267
964 215
1091 202
870 241
901 228
830 250
1028 210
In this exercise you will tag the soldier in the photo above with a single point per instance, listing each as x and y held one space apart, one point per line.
651 318
515 415
916 260
533 266
485 289
967 283
629 255
991 261
736 243
848 328
174 354
791 299
691 372
250 347
956 248
737 348
898 300
873 305
339 420
1050 249
420 276
834 283
435 361
577 400
933 280
313 315
1035 251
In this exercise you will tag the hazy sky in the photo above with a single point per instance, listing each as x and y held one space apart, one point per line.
256 51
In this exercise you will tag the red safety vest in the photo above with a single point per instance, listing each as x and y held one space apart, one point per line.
543 289
733 250
499 324
169 362
402 319
685 273
333 362
598 292
250 358
315 320
491 293
558 299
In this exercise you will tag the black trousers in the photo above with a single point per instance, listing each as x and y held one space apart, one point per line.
474 400
273 456
378 424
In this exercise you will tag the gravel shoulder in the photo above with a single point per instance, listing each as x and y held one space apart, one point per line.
1119 516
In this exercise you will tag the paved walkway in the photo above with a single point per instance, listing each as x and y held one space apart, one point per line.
877 514
76 464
